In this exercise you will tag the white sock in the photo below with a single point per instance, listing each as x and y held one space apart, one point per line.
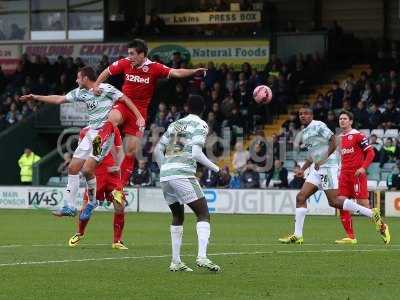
203 234
299 221
72 190
91 189
350 205
176 241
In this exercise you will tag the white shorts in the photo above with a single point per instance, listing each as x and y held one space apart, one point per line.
326 178
85 148
182 190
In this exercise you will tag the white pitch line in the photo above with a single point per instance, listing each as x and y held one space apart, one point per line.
192 244
47 262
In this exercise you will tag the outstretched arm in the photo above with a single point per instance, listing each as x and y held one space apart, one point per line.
198 155
183 73
52 99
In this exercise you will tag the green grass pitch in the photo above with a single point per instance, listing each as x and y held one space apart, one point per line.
36 262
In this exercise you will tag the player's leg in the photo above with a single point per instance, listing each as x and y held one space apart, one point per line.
346 190
306 191
115 118
117 196
353 207
131 146
68 208
190 192
176 227
88 171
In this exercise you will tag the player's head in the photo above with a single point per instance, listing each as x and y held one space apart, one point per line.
345 120
195 104
137 51
305 114
86 76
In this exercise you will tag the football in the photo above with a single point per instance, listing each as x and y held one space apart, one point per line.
262 94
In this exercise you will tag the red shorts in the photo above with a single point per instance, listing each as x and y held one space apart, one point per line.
106 183
353 187
129 126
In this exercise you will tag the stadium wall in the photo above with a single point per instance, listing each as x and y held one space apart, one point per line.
257 201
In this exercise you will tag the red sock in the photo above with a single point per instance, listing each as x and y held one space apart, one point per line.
119 222
106 130
347 223
127 169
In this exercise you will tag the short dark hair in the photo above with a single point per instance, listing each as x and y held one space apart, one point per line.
196 104
139 45
88 72
347 113
306 106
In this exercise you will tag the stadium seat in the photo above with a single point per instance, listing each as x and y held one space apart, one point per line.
289 164
393 133
374 168
54 181
374 176
378 132
382 184
372 184
384 175
366 132
263 180
388 167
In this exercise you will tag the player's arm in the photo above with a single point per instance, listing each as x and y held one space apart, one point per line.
141 122
369 156
183 73
199 139
51 99
198 155
305 166
159 150
102 77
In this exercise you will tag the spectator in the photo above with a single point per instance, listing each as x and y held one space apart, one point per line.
391 116
224 177
62 169
298 180
141 177
335 96
374 117
279 174
249 179
393 180
332 121
220 5
209 179
176 60
373 141
366 94
240 157
26 162
388 152
13 116
361 116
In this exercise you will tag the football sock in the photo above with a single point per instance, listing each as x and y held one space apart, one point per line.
203 234
176 242
105 131
299 221
71 190
127 169
91 190
82 226
347 222
119 222
356 208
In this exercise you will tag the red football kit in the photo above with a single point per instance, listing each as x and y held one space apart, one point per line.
139 85
355 153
